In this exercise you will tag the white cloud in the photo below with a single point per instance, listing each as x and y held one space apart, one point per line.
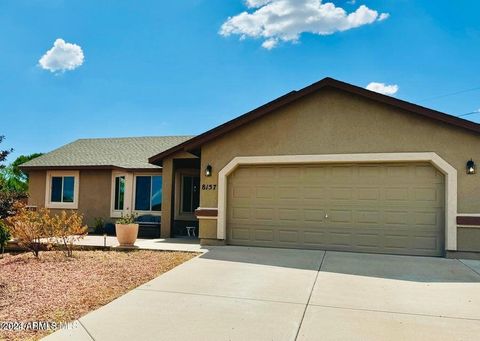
286 20
383 16
62 57
270 43
383 88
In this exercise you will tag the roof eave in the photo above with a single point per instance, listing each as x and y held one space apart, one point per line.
84 167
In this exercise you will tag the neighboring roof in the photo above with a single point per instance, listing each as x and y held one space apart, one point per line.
265 109
124 153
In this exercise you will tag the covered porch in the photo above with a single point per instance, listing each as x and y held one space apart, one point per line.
181 196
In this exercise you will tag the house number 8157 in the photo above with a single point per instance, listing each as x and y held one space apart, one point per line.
209 187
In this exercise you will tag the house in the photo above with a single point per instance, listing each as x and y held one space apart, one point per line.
331 166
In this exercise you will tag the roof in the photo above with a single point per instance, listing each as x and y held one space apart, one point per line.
123 153
197 141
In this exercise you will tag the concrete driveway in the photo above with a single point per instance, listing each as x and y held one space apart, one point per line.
240 293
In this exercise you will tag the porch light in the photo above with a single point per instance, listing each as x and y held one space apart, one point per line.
208 170
471 168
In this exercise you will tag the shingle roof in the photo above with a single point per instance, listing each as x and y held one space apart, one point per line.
127 152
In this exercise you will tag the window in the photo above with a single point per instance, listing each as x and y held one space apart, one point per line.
119 193
62 189
190 193
148 193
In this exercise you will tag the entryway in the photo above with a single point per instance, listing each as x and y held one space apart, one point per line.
186 189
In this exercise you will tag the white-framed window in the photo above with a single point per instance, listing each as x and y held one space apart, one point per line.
62 189
121 194
148 193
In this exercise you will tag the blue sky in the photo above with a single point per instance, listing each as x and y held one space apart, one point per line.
164 68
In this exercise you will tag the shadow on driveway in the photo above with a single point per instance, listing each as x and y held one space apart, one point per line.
406 268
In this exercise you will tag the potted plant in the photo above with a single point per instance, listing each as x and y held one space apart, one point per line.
126 230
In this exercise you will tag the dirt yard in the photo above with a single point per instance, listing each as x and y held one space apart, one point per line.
56 289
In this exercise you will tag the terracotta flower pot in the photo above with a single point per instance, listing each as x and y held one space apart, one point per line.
126 234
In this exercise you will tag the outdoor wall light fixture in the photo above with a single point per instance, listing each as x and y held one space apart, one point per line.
208 170
471 168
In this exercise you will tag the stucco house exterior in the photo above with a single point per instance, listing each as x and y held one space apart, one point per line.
331 166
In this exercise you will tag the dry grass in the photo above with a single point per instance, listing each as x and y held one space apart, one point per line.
54 288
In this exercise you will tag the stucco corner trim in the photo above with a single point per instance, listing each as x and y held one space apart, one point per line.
443 166
206 213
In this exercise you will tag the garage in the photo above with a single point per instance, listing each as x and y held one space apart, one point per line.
396 208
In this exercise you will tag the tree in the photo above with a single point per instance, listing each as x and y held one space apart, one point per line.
3 157
4 236
7 203
7 198
13 178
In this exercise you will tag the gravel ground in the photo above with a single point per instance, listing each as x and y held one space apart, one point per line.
54 288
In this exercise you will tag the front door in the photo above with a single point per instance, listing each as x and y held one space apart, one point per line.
187 198
190 196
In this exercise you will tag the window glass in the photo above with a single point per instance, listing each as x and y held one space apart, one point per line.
148 193
142 193
190 193
68 184
119 192
196 193
156 193
56 190
187 194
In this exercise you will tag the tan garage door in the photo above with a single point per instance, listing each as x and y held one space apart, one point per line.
381 208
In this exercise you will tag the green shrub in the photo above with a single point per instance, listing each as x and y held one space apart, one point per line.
127 219
99 226
4 236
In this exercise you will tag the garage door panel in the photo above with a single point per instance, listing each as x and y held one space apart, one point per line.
288 236
385 208
314 215
367 217
289 215
240 213
368 194
240 234
288 193
340 216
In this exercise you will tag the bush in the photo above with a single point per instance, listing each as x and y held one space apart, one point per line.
8 200
29 227
4 236
66 228
99 226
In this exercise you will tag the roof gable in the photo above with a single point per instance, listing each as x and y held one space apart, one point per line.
293 96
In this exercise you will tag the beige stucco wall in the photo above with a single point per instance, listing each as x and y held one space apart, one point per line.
167 188
94 193
334 122
36 188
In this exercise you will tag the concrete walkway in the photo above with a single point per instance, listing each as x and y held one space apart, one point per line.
240 293
169 244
